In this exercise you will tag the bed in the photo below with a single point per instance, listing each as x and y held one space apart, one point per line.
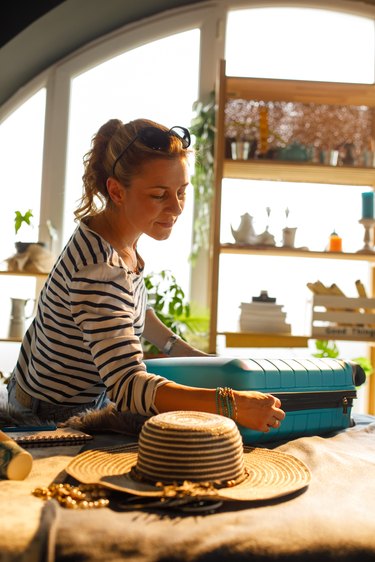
334 518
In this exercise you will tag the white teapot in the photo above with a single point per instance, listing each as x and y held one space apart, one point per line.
245 234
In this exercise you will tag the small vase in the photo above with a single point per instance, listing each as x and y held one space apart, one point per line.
240 150
289 235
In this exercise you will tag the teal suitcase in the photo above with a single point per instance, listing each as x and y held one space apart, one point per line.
316 394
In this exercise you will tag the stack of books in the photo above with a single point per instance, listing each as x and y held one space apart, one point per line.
263 317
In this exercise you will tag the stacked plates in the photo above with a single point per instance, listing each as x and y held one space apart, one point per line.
263 317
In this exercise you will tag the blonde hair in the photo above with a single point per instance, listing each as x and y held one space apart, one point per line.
106 145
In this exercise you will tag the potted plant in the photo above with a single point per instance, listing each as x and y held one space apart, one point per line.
171 307
25 219
20 220
244 142
30 256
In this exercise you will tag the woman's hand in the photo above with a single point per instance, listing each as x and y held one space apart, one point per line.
257 410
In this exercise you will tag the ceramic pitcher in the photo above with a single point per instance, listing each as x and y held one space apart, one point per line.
18 316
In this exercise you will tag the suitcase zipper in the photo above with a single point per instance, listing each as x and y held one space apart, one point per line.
291 401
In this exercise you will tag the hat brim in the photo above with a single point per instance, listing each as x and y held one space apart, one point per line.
270 474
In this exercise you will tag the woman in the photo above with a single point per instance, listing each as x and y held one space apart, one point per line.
83 348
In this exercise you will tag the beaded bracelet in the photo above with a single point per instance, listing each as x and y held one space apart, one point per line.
225 402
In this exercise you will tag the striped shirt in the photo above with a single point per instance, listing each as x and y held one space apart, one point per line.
85 337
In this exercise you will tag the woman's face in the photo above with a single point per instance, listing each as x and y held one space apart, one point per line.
156 198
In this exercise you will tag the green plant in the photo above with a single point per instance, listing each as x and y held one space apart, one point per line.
170 305
326 349
203 129
365 363
21 219
329 349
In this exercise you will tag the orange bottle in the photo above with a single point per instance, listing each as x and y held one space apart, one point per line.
335 243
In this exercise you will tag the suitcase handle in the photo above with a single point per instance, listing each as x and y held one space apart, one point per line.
359 375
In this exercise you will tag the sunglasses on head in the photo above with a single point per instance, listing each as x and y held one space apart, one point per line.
155 138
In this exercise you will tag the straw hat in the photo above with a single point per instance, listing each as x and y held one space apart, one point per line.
195 454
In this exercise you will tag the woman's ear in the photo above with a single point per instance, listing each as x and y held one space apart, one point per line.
115 191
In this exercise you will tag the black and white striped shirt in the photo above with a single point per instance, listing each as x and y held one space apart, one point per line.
85 337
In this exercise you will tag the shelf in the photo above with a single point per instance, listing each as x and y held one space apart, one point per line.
344 338
294 252
12 340
24 273
298 172
303 91
243 339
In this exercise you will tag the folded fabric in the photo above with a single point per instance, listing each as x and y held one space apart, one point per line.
333 520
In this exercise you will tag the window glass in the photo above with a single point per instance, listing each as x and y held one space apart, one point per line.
21 149
158 81
300 44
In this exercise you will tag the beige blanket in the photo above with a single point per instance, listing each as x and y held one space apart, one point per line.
20 539
334 519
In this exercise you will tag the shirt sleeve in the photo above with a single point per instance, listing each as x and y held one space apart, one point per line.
108 305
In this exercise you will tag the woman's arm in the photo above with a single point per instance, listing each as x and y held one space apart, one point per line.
158 334
255 410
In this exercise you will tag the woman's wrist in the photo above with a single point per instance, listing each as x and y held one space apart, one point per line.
170 343
182 348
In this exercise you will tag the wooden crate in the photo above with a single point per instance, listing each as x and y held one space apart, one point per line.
343 318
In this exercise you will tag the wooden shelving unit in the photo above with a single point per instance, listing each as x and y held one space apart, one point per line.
229 88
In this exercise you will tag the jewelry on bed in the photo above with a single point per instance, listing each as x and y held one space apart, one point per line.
225 402
83 496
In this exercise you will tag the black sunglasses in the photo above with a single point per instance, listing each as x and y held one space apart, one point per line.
155 138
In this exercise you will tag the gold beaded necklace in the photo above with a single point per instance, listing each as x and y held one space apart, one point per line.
83 496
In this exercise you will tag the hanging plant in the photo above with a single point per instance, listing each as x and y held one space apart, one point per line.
203 129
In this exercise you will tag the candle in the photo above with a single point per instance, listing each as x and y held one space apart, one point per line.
335 243
368 205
